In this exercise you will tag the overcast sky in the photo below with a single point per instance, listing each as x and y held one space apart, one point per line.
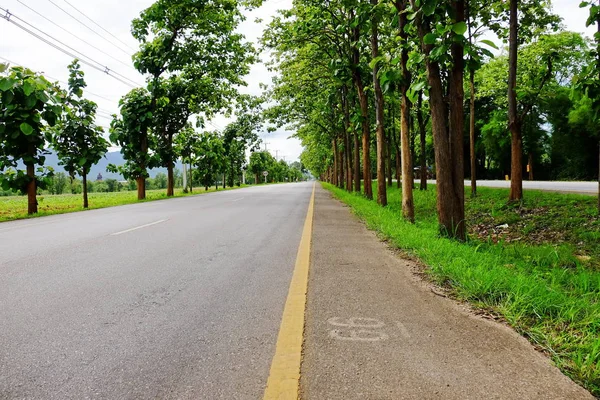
52 17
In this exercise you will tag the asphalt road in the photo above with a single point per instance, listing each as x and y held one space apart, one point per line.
170 299
552 186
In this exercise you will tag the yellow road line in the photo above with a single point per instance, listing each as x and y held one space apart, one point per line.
284 378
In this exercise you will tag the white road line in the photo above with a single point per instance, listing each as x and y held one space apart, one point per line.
138 227
241 198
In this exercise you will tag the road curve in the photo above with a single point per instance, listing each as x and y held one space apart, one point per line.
169 299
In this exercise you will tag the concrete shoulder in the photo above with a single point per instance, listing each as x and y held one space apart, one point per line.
375 331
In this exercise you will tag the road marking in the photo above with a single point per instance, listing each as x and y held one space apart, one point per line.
403 330
241 198
284 377
361 335
138 227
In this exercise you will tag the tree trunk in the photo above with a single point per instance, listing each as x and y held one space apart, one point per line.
530 165
347 141
32 205
170 180
379 113
141 181
364 111
356 159
447 130
85 191
191 177
398 169
472 134
598 68
341 168
423 142
389 152
516 145
141 188
335 162
408 207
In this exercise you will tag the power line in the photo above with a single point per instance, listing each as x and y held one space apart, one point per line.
98 25
57 80
77 19
77 37
103 68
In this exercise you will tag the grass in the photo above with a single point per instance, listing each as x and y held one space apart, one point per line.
540 274
15 207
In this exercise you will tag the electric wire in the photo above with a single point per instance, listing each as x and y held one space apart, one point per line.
77 19
100 67
58 80
77 37
98 25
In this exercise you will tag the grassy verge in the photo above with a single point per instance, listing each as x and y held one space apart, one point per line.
15 207
534 264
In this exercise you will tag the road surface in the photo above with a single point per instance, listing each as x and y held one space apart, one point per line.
184 299
169 299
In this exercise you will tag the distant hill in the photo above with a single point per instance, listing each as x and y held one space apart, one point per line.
113 157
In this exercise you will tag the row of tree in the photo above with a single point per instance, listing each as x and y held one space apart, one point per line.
401 68
194 60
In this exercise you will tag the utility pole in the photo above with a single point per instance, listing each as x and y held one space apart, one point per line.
276 154
265 143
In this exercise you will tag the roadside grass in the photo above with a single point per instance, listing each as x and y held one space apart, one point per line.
540 274
15 207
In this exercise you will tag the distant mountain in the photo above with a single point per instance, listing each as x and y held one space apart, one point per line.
113 157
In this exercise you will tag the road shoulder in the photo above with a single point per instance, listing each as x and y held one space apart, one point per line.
376 331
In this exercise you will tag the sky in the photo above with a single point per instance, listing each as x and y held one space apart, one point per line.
100 31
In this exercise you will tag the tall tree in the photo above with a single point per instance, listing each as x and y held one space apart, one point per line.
195 43
440 28
28 103
379 107
408 208
590 79
78 141
129 130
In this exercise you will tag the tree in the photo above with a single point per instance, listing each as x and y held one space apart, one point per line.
185 142
58 183
210 158
260 161
195 59
241 135
379 108
129 130
77 140
589 82
28 105
546 68
441 29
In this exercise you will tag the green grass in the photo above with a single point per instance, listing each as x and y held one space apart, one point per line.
15 207
540 274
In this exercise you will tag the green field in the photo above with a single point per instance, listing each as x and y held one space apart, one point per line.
15 207
541 274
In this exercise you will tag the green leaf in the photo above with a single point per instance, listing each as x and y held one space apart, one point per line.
82 161
28 88
459 28
6 83
430 38
429 8
26 128
489 43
